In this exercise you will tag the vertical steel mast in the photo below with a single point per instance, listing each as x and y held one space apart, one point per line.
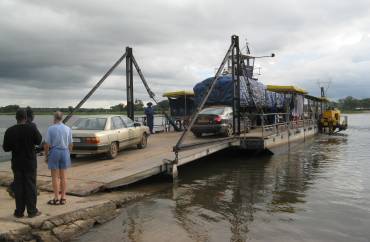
235 72
129 84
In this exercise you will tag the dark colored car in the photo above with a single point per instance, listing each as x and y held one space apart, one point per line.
215 120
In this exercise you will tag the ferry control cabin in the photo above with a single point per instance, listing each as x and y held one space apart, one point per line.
182 106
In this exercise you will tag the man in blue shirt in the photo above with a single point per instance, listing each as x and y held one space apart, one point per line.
149 112
58 144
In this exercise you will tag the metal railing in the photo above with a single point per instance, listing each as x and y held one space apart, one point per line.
268 124
161 124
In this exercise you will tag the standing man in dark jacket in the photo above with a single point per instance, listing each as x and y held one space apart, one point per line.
21 139
149 112
29 121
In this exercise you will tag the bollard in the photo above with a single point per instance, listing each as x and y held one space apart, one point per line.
175 173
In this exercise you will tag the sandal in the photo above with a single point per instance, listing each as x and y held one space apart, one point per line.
53 202
62 201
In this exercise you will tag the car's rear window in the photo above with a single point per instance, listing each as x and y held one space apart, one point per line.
90 124
214 111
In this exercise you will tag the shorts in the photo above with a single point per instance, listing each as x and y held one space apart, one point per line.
59 159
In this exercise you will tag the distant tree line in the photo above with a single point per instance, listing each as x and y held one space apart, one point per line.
119 108
351 103
13 108
138 106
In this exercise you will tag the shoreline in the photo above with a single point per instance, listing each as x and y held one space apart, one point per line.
77 217
354 111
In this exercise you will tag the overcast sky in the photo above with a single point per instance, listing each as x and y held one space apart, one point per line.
53 52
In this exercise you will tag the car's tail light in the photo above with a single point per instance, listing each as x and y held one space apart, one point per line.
218 119
92 140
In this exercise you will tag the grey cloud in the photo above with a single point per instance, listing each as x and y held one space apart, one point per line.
64 47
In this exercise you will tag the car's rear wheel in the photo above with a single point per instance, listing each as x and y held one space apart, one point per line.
229 131
143 142
113 150
197 134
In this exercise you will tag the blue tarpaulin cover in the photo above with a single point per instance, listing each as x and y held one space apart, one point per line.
222 93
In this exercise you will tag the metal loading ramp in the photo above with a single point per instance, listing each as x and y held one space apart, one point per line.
92 174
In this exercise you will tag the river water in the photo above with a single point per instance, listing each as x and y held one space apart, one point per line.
317 191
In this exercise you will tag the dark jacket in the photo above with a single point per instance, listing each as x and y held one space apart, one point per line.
149 112
21 139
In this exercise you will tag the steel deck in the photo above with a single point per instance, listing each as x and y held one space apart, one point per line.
91 174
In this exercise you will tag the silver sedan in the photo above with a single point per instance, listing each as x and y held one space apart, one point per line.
107 134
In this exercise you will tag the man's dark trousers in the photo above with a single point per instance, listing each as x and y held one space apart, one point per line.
25 191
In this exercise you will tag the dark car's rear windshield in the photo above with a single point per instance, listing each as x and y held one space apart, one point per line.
214 111
90 124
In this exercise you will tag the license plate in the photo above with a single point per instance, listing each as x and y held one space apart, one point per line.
203 121
76 140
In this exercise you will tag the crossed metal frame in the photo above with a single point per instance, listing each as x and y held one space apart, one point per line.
234 52
131 63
